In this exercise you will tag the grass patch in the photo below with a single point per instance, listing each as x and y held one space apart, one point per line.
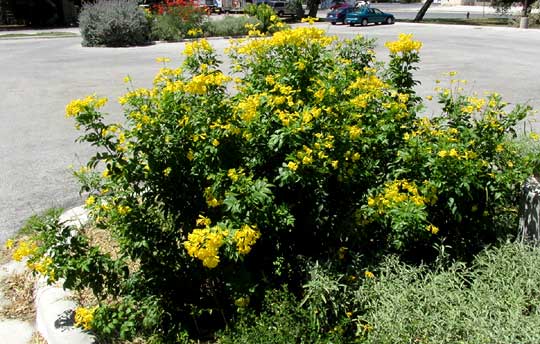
460 21
48 34
38 220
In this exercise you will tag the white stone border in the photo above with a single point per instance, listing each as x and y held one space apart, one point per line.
54 307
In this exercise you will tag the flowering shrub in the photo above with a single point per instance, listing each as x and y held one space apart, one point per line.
269 22
173 20
216 198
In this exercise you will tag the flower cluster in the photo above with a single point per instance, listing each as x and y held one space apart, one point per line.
197 47
245 238
204 244
199 84
84 317
396 192
405 44
77 106
24 249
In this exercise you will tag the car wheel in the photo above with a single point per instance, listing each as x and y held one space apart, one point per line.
351 24
333 23
364 22
389 20
280 14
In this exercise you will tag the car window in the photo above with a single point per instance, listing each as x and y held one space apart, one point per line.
377 11
370 11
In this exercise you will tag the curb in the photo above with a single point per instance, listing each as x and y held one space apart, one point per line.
54 309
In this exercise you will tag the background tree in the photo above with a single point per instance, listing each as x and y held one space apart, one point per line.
423 10
503 6
313 7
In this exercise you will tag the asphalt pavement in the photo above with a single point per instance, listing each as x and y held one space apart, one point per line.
39 76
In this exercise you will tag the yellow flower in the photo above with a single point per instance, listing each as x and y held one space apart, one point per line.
127 79
203 221
432 229
204 244
24 249
309 20
242 302
245 238
404 45
195 47
84 317
442 153
194 32
307 160
429 97
334 164
123 209
215 143
369 274
9 244
213 202
163 59
77 106
342 252
90 201
292 166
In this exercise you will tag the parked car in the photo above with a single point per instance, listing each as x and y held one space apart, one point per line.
365 15
338 4
339 14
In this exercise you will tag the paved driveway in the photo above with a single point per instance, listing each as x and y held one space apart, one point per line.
38 77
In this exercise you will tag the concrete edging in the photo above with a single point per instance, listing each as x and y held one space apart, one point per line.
54 309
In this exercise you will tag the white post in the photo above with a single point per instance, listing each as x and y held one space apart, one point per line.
524 23
529 212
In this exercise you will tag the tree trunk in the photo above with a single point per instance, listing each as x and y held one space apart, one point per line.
529 213
420 15
525 9
313 7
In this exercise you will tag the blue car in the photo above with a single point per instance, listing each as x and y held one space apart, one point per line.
338 15
365 15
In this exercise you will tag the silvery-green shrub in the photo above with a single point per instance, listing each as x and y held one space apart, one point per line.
113 23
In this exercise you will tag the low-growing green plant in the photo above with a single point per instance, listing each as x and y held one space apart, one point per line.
229 26
319 155
37 221
496 300
113 23
282 321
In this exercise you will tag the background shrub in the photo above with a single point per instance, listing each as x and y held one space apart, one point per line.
113 23
228 26
177 19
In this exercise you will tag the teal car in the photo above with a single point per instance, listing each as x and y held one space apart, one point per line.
365 15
